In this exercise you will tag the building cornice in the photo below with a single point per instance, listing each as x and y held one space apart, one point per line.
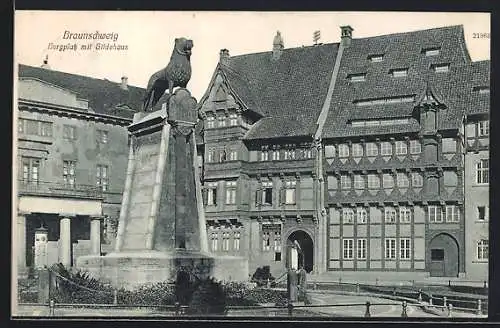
60 110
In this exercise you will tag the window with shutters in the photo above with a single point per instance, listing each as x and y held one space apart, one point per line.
30 170
69 173
102 177
230 192
361 215
348 216
289 192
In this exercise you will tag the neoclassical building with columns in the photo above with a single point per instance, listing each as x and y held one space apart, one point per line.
72 147
353 150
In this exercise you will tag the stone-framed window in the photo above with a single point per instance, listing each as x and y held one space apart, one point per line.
401 148
236 240
69 132
345 182
357 150
361 215
264 153
403 181
264 195
390 248
275 155
361 249
211 194
222 121
390 215
102 136
359 182
69 177
290 192
210 122
415 147
482 213
483 171
371 149
388 180
348 216
233 119
271 237
435 214
482 250
452 213
404 214
214 241
231 187
30 170
386 148
373 181
405 248
417 180
225 241
348 249
102 177
343 151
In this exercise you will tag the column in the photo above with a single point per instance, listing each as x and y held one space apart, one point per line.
21 242
95 235
65 241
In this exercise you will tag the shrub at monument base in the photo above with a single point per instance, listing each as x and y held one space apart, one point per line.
208 298
240 294
262 275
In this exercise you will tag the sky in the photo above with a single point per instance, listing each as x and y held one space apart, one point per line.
149 37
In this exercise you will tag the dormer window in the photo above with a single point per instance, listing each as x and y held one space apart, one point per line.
361 77
441 68
399 72
376 58
481 89
431 51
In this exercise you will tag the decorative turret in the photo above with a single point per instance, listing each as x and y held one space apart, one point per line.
278 46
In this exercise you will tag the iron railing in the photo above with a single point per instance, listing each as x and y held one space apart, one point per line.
44 188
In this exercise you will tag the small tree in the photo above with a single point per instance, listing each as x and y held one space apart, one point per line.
262 275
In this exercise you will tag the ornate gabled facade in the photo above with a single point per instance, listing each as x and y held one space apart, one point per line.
72 150
355 150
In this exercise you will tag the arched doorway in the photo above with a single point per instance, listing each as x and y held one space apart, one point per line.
444 256
305 257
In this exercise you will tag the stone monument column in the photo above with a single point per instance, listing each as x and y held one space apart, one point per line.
65 241
95 235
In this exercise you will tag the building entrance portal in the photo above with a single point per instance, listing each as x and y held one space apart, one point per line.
444 256
300 251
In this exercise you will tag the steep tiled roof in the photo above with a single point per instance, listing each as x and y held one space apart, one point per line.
476 76
289 91
400 51
103 95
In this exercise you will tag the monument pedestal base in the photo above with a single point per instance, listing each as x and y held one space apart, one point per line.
130 270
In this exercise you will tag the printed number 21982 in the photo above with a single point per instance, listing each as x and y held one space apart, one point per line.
480 35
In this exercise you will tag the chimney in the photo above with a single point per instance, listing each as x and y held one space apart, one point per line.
46 62
124 84
346 35
224 56
278 46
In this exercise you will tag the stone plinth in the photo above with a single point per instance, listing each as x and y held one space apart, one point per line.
162 227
